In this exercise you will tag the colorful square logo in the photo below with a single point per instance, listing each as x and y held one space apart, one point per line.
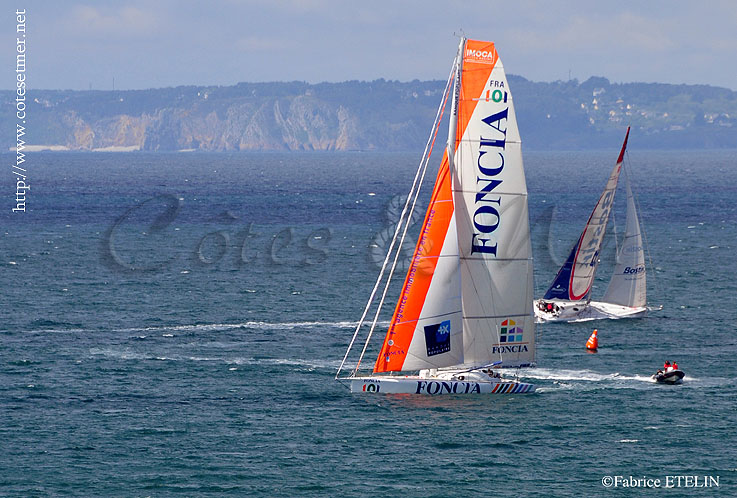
510 332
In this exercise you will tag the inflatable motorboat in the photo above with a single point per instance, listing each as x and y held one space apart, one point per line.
669 377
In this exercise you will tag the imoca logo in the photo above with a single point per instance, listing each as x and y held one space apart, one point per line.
488 56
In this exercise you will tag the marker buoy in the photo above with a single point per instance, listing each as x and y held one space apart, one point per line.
593 343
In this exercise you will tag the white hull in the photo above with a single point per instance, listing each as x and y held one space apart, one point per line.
569 311
435 386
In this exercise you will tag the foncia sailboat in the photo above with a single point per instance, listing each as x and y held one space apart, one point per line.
569 296
466 303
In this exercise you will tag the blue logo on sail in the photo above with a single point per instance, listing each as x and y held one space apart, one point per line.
437 338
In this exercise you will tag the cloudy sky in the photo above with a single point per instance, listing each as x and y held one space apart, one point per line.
144 44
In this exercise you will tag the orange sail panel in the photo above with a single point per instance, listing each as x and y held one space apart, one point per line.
409 310
479 59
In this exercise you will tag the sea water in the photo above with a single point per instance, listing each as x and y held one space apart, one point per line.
171 324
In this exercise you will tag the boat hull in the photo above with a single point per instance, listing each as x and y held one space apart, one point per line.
436 386
671 377
571 311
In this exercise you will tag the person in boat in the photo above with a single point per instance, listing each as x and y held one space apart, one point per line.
549 307
674 366
666 366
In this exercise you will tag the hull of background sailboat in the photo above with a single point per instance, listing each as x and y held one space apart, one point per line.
558 311
615 311
571 311
433 387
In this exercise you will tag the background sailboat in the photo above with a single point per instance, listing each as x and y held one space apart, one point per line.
626 296
569 296
465 305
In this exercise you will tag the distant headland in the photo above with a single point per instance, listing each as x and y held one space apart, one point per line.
376 115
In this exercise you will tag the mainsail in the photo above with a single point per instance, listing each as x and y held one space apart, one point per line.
467 296
574 279
628 284
492 215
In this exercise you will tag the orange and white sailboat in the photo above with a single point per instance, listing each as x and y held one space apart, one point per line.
465 308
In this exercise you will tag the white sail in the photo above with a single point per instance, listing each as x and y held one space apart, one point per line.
628 284
493 223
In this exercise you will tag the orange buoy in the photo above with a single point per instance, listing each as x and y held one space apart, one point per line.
593 343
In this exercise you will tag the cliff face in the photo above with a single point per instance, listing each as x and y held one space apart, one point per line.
298 123
378 115
280 116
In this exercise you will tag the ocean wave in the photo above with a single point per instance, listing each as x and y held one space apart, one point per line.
291 362
199 327
213 327
127 354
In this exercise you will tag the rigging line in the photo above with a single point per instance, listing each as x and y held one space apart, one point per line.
434 135
403 218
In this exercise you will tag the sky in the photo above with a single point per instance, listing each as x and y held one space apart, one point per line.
160 43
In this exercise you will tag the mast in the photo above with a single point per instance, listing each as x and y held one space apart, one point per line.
453 121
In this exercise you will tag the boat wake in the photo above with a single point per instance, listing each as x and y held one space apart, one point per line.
583 379
580 375
580 379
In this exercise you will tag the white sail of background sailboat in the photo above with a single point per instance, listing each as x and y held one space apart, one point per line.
466 302
626 295
569 296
